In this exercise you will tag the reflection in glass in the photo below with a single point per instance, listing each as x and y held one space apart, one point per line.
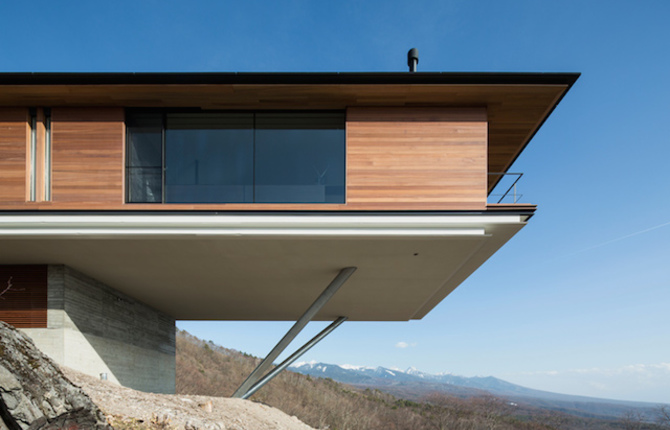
209 158
145 158
198 157
299 158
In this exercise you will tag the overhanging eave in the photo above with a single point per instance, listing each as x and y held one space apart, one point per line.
266 267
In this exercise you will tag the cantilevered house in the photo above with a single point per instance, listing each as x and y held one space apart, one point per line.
129 201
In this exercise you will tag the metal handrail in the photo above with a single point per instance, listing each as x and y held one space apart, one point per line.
512 187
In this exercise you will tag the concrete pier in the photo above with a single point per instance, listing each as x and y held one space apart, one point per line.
95 329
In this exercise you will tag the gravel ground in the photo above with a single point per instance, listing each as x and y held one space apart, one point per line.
173 411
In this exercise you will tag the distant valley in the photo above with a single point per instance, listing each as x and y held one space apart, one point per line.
415 385
423 402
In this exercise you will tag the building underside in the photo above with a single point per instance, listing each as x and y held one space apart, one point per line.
267 267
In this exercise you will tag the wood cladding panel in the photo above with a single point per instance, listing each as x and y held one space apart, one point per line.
87 155
416 158
24 304
413 158
40 154
515 111
13 154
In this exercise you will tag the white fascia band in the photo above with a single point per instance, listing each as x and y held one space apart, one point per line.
248 225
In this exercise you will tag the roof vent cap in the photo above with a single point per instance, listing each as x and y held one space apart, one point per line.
412 59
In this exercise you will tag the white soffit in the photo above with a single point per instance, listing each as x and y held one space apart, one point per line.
266 267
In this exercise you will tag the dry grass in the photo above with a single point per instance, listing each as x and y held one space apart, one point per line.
207 369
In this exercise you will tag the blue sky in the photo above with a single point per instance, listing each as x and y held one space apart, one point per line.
578 301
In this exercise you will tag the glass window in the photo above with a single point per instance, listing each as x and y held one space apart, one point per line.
145 158
299 158
227 157
209 158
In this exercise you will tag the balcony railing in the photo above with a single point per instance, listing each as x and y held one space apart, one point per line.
508 183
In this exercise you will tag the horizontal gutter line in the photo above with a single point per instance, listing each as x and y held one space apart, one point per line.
290 78
252 222
340 233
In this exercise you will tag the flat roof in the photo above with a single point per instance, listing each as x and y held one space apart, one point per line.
284 78
517 103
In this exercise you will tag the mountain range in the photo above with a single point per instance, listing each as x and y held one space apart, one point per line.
413 384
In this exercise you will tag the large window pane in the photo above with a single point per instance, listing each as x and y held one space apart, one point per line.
145 157
209 158
215 157
299 158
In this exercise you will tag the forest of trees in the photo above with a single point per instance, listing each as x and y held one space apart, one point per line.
207 369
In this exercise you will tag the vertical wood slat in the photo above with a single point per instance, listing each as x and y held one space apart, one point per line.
416 158
40 148
25 304
87 155
14 138
29 158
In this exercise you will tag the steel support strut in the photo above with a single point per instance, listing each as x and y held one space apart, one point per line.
296 355
311 312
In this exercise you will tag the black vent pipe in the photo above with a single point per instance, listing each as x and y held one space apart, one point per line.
412 59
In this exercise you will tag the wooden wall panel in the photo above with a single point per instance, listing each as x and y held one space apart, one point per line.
87 155
517 104
398 158
40 153
13 152
416 158
24 305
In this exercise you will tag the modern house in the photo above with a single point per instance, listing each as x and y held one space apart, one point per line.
129 201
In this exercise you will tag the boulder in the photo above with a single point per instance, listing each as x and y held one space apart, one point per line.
34 393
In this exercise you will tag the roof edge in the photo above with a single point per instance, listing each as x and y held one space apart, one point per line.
289 78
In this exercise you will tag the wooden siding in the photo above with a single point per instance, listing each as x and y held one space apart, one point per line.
416 158
515 109
411 158
87 156
24 305
14 134
40 153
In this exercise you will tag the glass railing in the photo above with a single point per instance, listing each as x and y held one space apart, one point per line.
505 190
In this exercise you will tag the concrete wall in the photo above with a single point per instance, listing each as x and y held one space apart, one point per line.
96 329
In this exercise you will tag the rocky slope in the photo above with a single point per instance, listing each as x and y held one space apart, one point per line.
127 408
34 393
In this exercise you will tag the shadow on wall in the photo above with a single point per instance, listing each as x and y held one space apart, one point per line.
106 331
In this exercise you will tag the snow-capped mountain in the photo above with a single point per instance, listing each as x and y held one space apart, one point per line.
414 384
374 376
350 374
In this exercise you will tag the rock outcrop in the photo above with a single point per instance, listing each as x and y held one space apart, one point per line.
34 393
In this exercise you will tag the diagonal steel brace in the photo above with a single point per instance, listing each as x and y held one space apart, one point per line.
311 312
